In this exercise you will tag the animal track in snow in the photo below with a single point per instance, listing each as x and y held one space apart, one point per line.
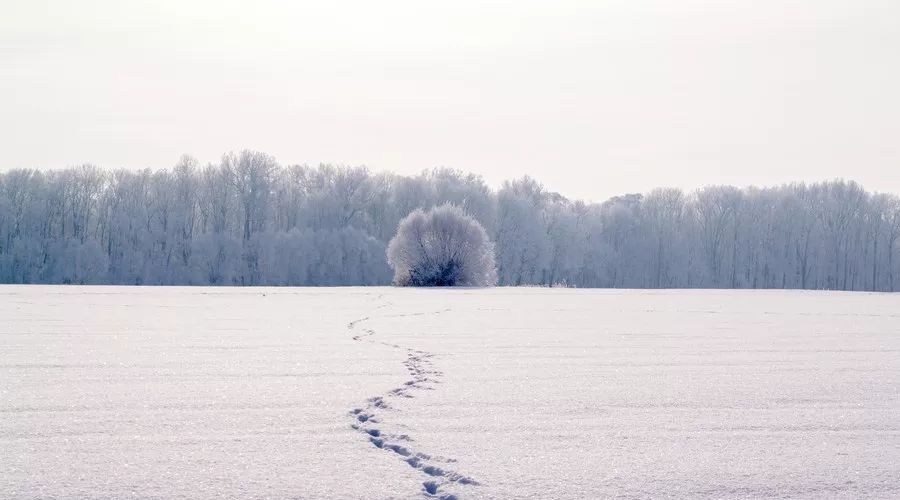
364 419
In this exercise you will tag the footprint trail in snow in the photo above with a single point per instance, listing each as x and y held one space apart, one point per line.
371 419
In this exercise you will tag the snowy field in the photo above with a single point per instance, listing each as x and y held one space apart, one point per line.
112 392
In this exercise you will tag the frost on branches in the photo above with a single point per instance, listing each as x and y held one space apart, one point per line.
441 247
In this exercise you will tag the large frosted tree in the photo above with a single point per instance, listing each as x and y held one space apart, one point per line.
441 247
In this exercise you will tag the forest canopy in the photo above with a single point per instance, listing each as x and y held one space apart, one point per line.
247 220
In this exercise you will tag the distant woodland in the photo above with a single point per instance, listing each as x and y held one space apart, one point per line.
247 220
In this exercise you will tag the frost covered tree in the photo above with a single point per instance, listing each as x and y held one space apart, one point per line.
441 247
523 245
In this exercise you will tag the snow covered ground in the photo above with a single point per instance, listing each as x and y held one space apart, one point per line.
108 392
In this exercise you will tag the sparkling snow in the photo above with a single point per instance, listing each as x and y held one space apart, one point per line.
108 392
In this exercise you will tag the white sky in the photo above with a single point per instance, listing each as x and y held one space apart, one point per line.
592 98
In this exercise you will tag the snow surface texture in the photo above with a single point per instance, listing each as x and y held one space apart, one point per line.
110 392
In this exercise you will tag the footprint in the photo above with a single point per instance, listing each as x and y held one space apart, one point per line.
431 487
433 471
400 450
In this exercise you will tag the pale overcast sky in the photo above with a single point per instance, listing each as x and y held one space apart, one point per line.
593 98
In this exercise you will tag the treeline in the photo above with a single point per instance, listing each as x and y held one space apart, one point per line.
249 221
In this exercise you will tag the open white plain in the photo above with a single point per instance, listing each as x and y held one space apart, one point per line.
114 392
